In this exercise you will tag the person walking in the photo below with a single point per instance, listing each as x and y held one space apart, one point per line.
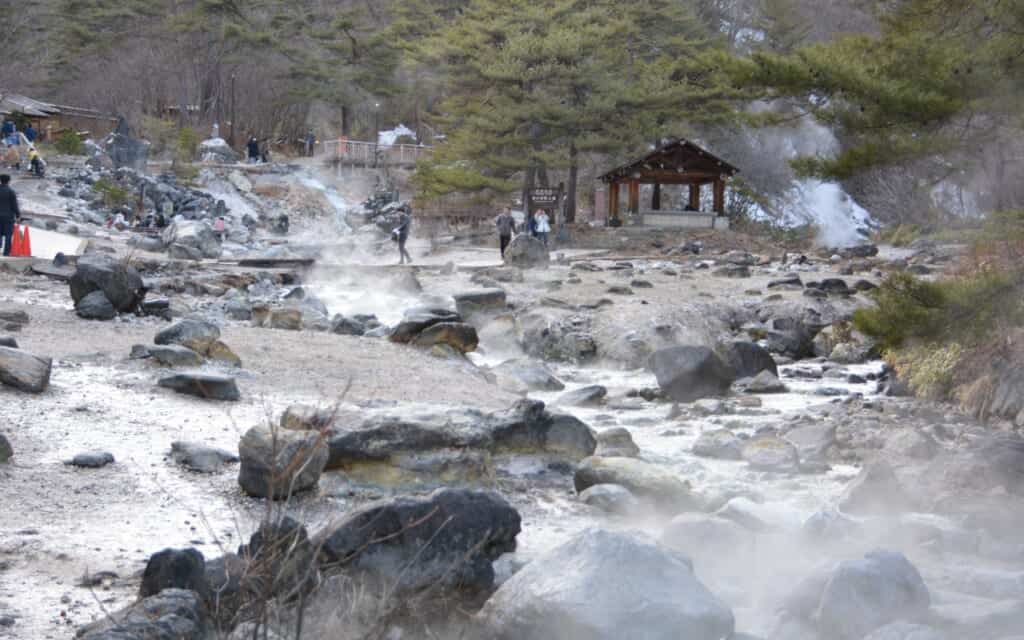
543 225
253 147
10 214
310 143
9 130
401 234
530 224
31 134
505 224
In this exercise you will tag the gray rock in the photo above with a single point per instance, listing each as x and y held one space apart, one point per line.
278 463
174 569
590 396
238 309
788 282
484 301
6 450
876 490
912 444
611 498
863 595
768 453
905 631
174 355
603 585
419 318
201 458
534 375
458 335
616 442
95 306
747 359
829 526
120 282
91 459
139 352
301 417
813 441
719 443
24 371
445 542
690 373
197 335
344 326
203 385
218 150
8 341
125 151
706 536
178 251
195 234
527 252
764 382
172 614
644 479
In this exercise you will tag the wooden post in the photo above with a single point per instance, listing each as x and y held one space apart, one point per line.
695 197
613 202
656 197
634 197
720 197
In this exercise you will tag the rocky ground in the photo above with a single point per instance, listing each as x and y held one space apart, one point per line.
681 433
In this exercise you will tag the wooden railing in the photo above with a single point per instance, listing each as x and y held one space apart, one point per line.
370 154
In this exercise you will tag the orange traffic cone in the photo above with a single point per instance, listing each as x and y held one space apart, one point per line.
26 243
16 243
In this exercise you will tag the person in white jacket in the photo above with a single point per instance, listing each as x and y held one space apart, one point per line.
543 225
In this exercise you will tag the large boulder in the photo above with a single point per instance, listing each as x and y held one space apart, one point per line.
534 376
444 542
554 337
95 306
458 335
197 335
768 453
417 319
603 585
204 385
876 490
119 281
172 614
646 480
219 151
590 396
485 300
24 371
454 445
6 451
126 151
690 373
616 442
174 355
195 234
859 596
718 443
747 359
278 463
527 252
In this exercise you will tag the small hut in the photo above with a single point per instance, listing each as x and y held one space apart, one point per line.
50 119
677 163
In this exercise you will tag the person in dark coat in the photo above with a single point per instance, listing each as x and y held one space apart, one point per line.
10 214
402 233
505 224
253 148
31 134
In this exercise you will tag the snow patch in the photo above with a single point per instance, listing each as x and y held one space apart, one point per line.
387 138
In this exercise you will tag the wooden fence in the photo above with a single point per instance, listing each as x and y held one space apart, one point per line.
369 154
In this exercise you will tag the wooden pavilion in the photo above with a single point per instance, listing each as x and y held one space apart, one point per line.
676 163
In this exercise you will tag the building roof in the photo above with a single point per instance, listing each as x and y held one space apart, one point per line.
677 162
17 103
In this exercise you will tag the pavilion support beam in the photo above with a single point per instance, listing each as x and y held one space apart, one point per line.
613 203
720 197
695 197
656 197
634 197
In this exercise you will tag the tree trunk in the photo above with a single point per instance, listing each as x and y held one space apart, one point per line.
570 196
656 197
528 177
346 121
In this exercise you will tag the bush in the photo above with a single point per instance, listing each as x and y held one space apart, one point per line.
187 145
114 195
930 371
69 143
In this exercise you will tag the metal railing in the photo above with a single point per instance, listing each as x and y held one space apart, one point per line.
370 154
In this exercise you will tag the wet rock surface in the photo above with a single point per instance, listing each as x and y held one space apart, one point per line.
24 371
203 385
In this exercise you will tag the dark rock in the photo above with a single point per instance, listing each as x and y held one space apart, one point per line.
203 385
126 151
458 335
159 307
419 318
526 252
690 373
620 290
201 458
6 451
816 294
139 352
277 463
791 281
644 479
864 285
14 317
119 281
8 341
178 251
487 300
835 286
603 585
747 359
534 375
24 371
732 271
859 251
91 459
238 309
174 355
95 306
445 542
590 396
790 337
197 335
172 614
344 326
174 569
281 548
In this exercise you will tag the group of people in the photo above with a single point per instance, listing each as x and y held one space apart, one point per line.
536 224
257 153
11 142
